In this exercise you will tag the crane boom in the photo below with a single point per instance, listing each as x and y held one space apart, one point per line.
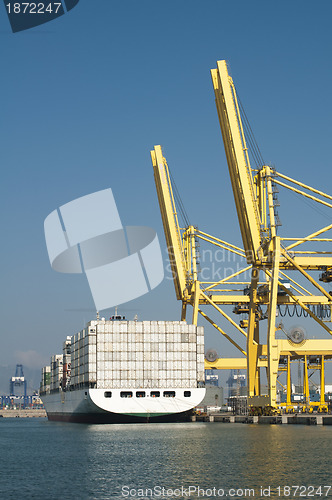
170 221
238 160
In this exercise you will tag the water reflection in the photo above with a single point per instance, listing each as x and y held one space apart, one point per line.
96 461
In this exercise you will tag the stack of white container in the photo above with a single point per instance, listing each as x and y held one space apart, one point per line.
66 362
83 357
46 379
133 354
56 371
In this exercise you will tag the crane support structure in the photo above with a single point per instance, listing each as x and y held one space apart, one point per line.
270 291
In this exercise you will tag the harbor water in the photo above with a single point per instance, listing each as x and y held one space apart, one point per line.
51 461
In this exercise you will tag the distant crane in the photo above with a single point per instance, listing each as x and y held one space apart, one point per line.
237 379
18 381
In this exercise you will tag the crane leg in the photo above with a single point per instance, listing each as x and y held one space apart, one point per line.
306 381
289 383
196 303
322 381
184 311
257 377
272 344
253 331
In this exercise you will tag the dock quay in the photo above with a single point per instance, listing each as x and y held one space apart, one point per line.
275 419
24 413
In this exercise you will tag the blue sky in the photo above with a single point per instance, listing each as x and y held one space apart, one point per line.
84 99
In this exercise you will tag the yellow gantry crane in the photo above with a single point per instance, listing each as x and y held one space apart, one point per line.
269 257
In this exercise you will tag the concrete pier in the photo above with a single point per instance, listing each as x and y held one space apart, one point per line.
39 413
295 419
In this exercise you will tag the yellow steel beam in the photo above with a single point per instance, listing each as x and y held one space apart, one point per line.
309 278
313 263
263 299
311 347
306 381
221 331
295 283
170 221
224 314
237 159
222 246
231 364
273 228
218 240
309 237
227 364
272 345
225 280
302 303
289 382
306 195
253 338
322 381
196 302
305 186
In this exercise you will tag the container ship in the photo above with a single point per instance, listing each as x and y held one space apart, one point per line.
118 371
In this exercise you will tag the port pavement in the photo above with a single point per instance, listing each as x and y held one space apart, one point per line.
28 413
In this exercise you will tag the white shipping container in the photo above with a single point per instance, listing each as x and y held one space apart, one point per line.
124 356
146 326
177 356
100 356
131 356
116 365
176 327
139 327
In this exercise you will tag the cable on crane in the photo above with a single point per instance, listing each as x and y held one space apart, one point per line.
280 311
179 201
253 145
288 310
320 310
311 204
